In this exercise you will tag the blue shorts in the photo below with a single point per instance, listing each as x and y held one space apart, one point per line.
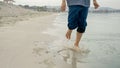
77 16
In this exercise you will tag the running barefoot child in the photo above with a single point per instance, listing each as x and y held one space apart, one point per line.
77 15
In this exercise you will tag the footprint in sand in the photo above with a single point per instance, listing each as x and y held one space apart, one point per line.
68 53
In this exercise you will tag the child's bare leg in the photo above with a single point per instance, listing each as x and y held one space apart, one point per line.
78 38
68 34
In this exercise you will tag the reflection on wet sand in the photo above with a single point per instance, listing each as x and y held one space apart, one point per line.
66 57
73 55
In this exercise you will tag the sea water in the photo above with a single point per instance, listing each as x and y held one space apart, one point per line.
102 39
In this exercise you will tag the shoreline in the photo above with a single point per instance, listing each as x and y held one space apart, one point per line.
10 20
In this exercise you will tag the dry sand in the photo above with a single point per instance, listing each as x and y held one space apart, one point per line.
20 43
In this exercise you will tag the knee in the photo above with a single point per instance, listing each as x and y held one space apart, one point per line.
81 30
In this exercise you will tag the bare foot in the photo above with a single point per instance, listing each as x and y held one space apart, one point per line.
68 34
76 48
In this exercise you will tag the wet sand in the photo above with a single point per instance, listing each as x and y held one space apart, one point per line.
99 45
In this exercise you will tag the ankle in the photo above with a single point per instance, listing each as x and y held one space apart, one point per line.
76 44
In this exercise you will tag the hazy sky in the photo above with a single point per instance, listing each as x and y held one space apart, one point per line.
104 3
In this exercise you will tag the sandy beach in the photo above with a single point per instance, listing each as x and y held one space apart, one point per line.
17 42
38 42
22 39
30 39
